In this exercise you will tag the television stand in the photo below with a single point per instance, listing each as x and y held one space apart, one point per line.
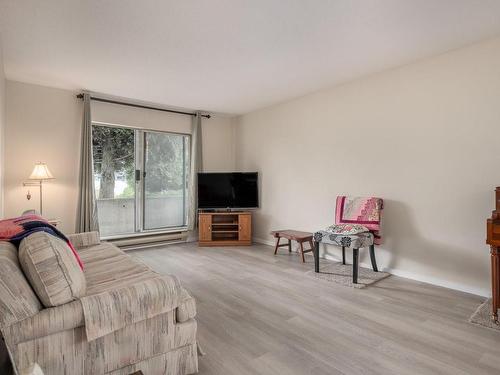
225 228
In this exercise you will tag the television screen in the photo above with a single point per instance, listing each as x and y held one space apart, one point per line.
228 190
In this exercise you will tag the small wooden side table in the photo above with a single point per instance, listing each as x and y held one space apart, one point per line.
293 235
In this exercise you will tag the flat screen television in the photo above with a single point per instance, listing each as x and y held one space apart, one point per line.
233 190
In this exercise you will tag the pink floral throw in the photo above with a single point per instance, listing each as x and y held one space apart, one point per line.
365 211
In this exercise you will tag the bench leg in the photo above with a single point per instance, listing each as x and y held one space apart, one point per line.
277 245
316 256
355 257
372 258
302 252
289 246
343 254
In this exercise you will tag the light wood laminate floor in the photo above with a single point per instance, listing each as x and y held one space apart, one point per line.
260 314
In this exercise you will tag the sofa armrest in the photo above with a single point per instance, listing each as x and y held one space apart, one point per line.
80 240
112 310
187 308
46 322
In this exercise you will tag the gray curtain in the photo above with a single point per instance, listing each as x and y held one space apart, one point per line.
196 166
86 220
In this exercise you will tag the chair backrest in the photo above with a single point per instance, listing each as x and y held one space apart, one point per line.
359 210
17 299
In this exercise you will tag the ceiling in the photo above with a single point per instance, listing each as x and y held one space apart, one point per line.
228 56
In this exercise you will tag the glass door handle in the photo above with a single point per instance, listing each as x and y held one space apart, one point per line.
138 174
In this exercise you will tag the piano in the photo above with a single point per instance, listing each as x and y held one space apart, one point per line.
493 239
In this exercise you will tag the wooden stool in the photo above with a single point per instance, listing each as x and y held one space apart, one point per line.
294 235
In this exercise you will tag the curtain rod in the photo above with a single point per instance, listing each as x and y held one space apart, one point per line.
80 96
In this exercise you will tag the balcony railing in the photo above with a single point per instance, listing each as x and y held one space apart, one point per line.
117 215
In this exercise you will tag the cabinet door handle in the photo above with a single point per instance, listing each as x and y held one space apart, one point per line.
209 227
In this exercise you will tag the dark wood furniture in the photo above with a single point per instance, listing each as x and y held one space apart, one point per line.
493 239
225 228
293 235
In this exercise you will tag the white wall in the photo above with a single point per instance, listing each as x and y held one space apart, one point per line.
425 137
2 126
139 117
218 144
44 124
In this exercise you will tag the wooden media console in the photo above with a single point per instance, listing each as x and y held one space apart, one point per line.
225 228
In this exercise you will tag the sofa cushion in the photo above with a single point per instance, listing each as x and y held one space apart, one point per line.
108 268
85 239
17 299
51 268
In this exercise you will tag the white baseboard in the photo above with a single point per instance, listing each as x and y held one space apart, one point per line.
263 241
437 281
408 275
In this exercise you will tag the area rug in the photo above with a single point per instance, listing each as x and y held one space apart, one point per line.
342 274
482 316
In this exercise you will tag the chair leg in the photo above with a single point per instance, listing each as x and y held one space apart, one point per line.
277 245
372 257
343 254
289 246
302 252
355 257
316 256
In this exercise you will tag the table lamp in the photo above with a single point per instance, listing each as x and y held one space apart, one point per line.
40 173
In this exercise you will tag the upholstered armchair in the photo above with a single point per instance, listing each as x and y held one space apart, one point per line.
357 225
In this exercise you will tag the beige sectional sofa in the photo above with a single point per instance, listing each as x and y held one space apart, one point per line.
130 318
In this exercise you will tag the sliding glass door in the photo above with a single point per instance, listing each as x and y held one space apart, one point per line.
164 180
140 179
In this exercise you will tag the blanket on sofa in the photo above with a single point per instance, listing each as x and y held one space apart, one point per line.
16 229
360 210
112 310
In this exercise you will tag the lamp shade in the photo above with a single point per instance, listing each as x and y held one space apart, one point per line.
41 172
